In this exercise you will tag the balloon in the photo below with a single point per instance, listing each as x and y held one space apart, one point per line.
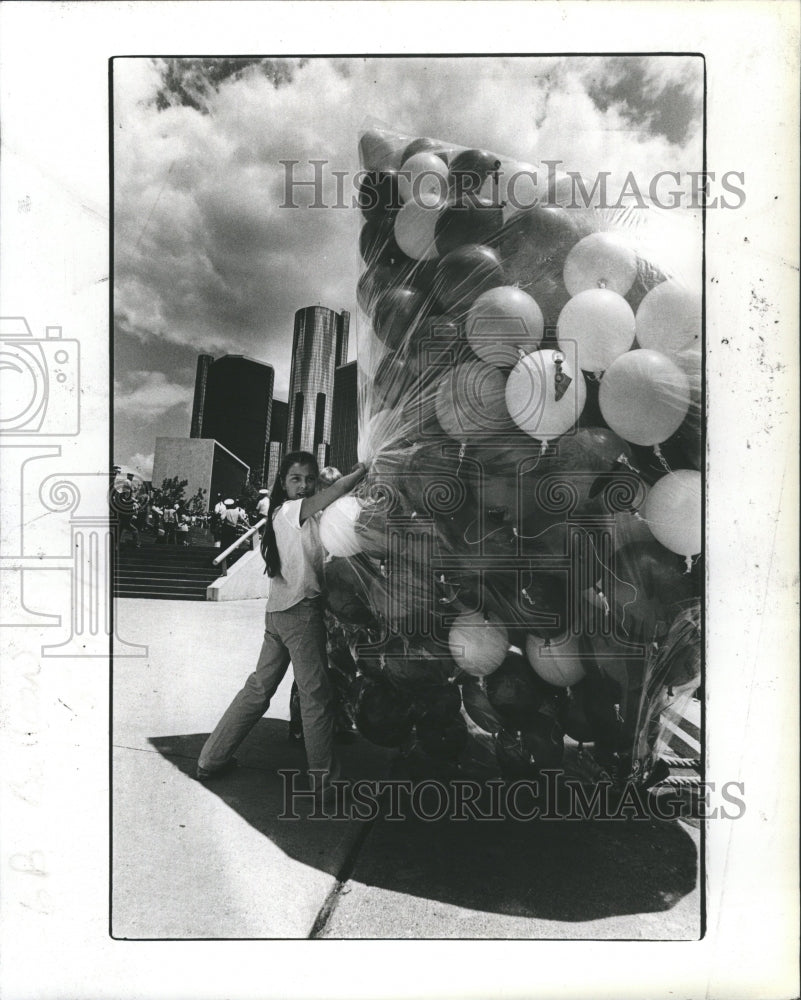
464 274
539 746
469 220
531 395
378 194
425 145
444 740
415 225
338 527
515 187
516 692
396 313
601 325
379 150
347 599
470 401
669 319
647 584
470 168
478 644
501 323
672 511
381 712
423 178
644 397
478 707
377 242
556 662
437 703
600 260
379 278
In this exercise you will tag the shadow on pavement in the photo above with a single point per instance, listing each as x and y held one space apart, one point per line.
561 870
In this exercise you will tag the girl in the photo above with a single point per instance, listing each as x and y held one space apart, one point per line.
294 628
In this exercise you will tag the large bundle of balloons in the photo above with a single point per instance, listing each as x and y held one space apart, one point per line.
523 561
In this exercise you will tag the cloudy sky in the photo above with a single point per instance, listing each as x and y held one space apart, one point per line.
207 260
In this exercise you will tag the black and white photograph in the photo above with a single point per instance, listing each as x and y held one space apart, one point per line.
447 370
399 477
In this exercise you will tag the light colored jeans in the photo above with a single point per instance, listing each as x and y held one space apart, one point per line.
296 635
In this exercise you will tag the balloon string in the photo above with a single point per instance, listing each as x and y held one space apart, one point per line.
530 538
625 583
479 540
661 457
623 460
462 449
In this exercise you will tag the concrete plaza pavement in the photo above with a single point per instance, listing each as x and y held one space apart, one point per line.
192 860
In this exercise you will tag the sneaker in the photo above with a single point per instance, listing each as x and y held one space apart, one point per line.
204 774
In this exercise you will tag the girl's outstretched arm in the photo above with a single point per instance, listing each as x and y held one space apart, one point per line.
311 505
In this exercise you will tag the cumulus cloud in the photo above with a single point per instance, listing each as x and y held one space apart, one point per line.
149 394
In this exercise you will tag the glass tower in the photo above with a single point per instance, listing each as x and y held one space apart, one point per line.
319 346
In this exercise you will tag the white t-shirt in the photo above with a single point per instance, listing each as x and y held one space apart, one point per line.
263 507
301 557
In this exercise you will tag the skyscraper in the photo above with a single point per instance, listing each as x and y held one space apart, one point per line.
234 396
204 362
319 346
344 418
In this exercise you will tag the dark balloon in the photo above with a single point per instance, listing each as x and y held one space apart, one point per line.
525 753
378 195
469 169
377 243
463 274
573 716
382 713
471 220
515 692
533 248
443 740
396 314
424 145
647 584
378 279
347 598
438 704
478 707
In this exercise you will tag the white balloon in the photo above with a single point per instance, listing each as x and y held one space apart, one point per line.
478 644
502 322
338 527
600 260
415 226
672 511
556 662
423 178
601 325
531 392
644 396
669 319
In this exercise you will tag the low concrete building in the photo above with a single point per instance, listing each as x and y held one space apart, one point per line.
203 462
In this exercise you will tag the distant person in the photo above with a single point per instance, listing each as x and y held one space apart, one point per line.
125 507
263 507
294 628
170 523
216 520
233 519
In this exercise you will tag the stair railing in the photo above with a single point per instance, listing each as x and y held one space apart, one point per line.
222 558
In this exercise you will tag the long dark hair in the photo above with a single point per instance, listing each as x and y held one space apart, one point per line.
269 546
